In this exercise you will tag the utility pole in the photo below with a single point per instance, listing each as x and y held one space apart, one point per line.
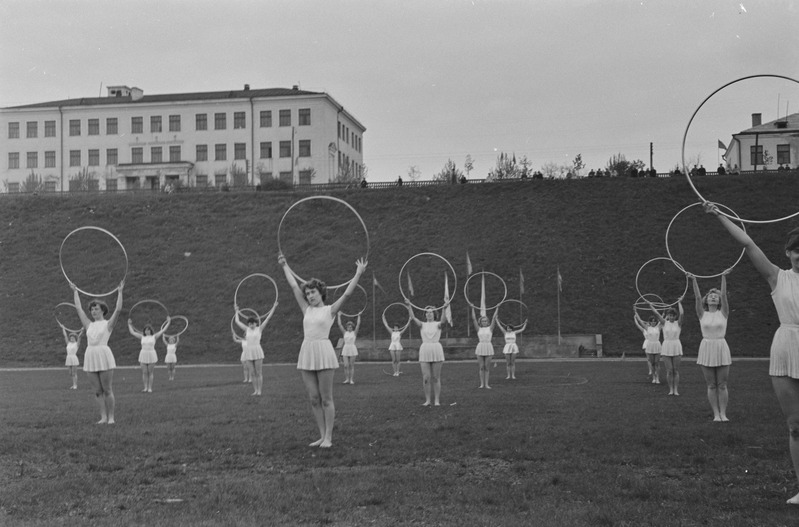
651 155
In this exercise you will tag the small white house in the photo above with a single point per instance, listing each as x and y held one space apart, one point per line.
766 146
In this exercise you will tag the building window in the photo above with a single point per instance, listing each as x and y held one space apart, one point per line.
156 155
155 124
220 121
266 150
94 126
13 130
202 180
285 148
136 125
49 128
756 155
13 188
137 154
13 160
111 126
220 179
174 123
240 151
265 176
220 152
201 121
287 177
111 185
49 186
49 159
784 154
202 153
174 154
94 157
305 117
74 158
74 127
33 160
239 120
305 148
305 177
111 157
266 118
33 129
285 117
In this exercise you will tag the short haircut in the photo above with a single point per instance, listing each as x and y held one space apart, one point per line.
315 283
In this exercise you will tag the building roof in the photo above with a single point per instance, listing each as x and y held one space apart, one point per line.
791 125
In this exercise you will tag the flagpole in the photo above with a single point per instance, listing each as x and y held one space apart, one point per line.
558 281
521 293
374 328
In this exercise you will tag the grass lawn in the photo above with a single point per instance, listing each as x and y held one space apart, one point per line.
577 443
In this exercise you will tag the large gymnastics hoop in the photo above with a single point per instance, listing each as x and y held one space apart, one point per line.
454 287
670 259
61 261
645 305
513 300
55 314
280 227
164 324
242 311
681 267
236 294
685 136
182 331
385 322
484 273
365 304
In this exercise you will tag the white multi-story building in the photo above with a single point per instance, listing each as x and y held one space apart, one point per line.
129 140
766 146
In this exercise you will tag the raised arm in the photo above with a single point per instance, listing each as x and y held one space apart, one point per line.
268 316
163 330
767 270
237 320
133 331
360 267
358 324
340 325
475 322
411 313
295 287
697 297
524 326
639 323
64 332
494 319
725 306
657 313
84 318
680 311
112 320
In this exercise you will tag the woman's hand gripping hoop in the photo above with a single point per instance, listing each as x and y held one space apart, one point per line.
521 304
174 321
484 274
404 309
454 286
64 271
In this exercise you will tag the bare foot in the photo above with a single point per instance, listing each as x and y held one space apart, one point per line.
111 421
327 443
717 419
317 442
437 403
793 501
102 422
675 393
488 387
724 419
426 403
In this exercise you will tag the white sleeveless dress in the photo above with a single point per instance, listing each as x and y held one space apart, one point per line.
395 345
254 349
171 354
98 356
653 340
349 349
431 349
317 352
484 346
713 350
511 347
784 356
147 355
72 354
672 347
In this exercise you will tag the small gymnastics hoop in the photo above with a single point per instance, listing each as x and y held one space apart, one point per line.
365 304
638 274
164 324
337 200
644 305
685 136
454 287
512 300
385 322
484 273
682 268
61 260
242 311
55 314
236 294
182 331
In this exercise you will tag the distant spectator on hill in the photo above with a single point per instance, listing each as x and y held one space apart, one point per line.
632 172
780 167
653 172
721 170
694 171
399 181
538 175
676 172
592 173
701 171
463 179
735 169
363 183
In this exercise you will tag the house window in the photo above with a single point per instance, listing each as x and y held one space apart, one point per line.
13 130
285 117
202 180
49 159
239 120
287 177
202 153
33 160
266 150
240 151
156 154
74 127
220 179
111 156
13 160
756 155
136 125
266 118
74 158
137 154
201 121
305 177
155 124
174 123
94 126
220 152
305 148
33 129
174 154
285 148
784 154
265 176
13 188
220 121
111 126
111 185
49 128
49 186
305 117
94 157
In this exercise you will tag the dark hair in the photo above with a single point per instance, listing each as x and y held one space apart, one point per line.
792 243
100 303
671 311
148 327
315 283
252 320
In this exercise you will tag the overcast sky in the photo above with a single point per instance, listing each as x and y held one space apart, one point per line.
437 79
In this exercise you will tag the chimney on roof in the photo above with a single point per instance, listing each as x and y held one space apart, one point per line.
295 87
246 87
136 94
756 119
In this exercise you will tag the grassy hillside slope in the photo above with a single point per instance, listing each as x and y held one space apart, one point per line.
597 231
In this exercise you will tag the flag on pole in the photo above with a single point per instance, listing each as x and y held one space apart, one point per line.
377 284
722 146
560 281
410 285
521 282
447 310
468 264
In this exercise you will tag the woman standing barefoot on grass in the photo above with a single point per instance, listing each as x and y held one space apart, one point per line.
484 350
72 341
431 353
671 349
245 364
317 361
395 347
652 333
254 354
171 358
784 355
147 356
714 353
98 361
511 349
349 352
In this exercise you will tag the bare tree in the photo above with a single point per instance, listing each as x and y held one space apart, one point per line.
414 173
468 165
